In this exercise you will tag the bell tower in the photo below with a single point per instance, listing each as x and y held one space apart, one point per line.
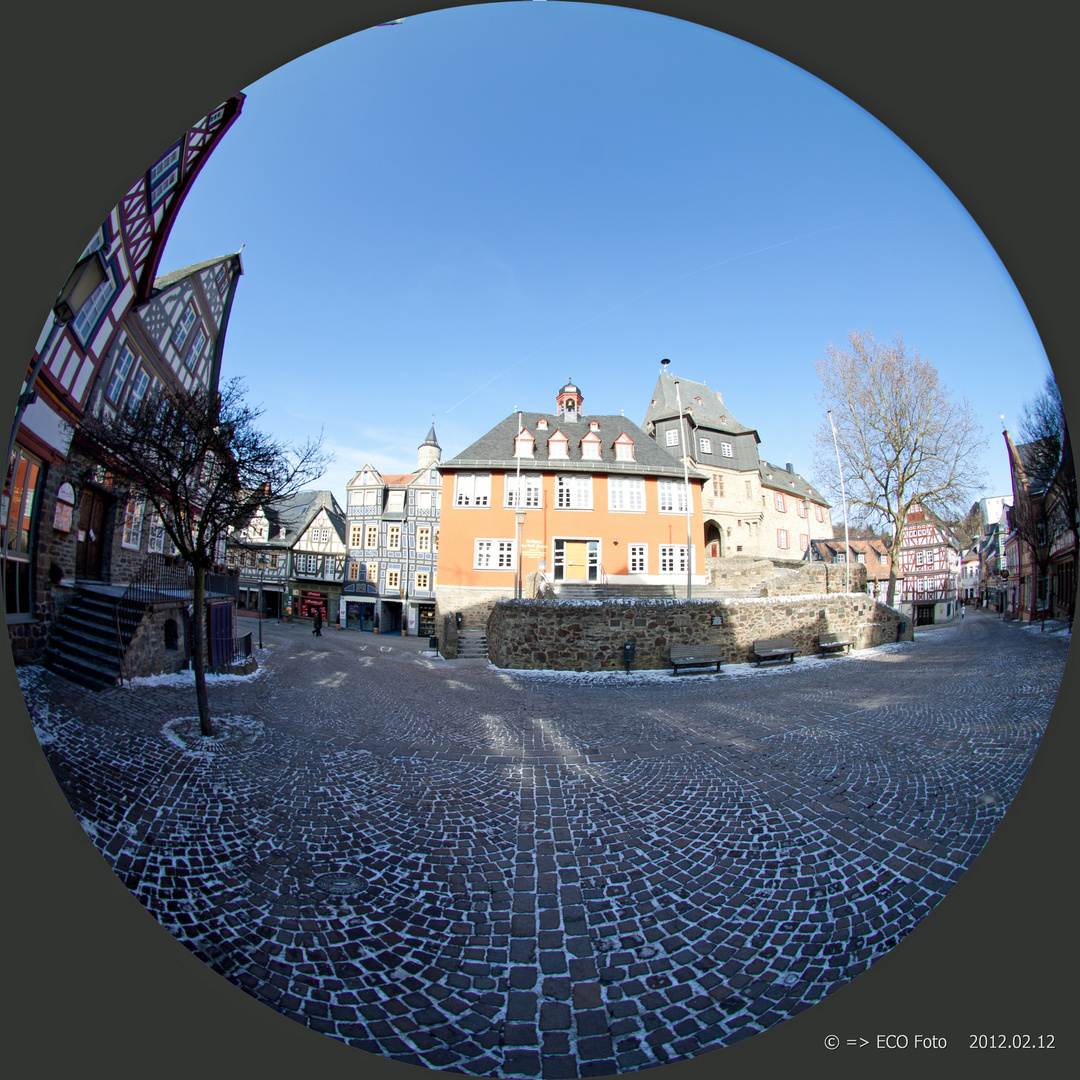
568 402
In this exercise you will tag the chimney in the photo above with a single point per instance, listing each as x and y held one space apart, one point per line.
789 468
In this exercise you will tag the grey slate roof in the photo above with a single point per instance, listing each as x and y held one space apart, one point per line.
296 512
772 476
174 276
706 407
495 450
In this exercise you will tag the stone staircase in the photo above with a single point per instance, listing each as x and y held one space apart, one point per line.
472 645
82 646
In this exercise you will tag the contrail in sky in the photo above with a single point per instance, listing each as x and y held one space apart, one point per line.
655 288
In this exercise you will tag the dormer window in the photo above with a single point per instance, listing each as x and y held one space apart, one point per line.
590 446
524 444
541 424
594 425
557 445
624 448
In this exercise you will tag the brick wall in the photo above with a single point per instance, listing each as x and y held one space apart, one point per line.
569 635
146 654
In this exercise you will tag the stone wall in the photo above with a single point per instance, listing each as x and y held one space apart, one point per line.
588 635
147 654
739 573
782 577
473 604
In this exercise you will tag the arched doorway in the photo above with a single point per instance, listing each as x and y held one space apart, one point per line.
714 540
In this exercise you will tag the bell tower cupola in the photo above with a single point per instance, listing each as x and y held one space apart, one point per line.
429 452
568 402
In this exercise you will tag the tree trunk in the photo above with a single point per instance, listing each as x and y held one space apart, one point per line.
199 659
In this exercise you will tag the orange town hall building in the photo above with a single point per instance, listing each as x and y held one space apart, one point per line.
580 499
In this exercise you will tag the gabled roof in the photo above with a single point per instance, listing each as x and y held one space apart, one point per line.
495 450
296 513
705 407
772 476
163 282
872 548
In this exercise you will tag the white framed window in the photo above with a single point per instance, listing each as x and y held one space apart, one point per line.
307 564
672 558
531 486
138 390
393 578
472 489
183 327
749 493
590 447
120 374
395 502
557 445
155 540
861 557
804 541
493 555
800 508
778 497
221 278
781 538
356 536
673 437
573 492
672 496
726 450
818 514
626 493
423 500
639 558
320 535
131 536
371 537
706 445
422 580
524 444
423 538
370 497
624 448
196 350
393 537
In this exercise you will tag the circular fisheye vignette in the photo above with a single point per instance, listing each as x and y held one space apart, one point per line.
985 798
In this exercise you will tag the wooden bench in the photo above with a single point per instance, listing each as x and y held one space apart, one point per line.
831 643
694 656
769 649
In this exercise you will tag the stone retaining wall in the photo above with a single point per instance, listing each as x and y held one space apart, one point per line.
146 653
583 635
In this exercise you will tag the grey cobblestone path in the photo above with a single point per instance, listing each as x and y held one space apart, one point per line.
535 875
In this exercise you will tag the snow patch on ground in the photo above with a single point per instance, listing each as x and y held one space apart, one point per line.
187 679
184 733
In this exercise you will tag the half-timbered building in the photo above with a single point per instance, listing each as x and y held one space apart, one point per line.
929 566
393 542
105 342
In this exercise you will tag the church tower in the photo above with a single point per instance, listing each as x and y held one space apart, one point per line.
429 452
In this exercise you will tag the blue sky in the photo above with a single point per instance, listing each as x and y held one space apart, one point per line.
445 219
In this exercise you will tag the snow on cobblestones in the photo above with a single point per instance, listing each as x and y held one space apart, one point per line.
529 873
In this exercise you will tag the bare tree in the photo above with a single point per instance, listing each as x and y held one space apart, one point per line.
902 438
1047 508
202 464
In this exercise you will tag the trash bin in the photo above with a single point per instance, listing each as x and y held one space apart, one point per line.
901 627
433 642
628 655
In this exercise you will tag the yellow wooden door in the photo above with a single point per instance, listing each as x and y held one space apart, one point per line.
576 556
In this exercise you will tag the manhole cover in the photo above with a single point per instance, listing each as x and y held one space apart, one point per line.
340 884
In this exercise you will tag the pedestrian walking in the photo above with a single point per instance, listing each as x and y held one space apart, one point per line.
317 628
963 611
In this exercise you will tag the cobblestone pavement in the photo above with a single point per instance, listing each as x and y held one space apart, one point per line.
532 874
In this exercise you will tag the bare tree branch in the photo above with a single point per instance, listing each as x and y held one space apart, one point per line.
902 439
200 461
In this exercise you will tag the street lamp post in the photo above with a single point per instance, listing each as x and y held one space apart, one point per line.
262 567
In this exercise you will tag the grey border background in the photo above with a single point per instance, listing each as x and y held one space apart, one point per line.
983 93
